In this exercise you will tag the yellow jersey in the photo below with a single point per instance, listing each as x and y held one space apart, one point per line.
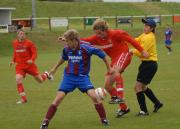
148 42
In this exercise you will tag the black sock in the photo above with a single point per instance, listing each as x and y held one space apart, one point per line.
149 93
169 49
141 101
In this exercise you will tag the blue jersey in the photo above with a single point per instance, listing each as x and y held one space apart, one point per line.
79 60
168 34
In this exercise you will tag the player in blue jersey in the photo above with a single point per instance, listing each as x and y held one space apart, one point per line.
168 39
78 56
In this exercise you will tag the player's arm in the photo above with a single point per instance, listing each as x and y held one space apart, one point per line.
56 66
13 57
63 58
146 45
92 40
125 37
109 71
135 51
34 54
102 55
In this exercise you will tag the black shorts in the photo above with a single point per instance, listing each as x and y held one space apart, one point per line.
147 70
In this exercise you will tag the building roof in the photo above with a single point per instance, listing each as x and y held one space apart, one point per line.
7 8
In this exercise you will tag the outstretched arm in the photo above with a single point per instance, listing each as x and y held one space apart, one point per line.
107 64
54 69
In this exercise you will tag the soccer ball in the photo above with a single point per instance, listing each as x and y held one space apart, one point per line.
101 93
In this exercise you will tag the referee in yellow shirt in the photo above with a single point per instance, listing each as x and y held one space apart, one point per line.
147 68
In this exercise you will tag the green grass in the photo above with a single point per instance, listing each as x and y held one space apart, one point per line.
73 9
77 112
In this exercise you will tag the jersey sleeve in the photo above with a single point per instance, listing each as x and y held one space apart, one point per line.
146 44
96 51
123 36
135 51
33 51
92 39
14 53
64 54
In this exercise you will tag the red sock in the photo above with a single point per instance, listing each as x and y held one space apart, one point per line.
50 113
101 111
113 92
120 91
119 86
123 106
44 76
21 92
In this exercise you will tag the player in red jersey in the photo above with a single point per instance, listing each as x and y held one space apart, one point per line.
115 44
24 57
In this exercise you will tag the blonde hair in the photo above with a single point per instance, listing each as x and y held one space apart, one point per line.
100 24
71 34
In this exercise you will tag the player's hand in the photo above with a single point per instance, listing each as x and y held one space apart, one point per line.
29 61
131 51
145 54
11 63
110 71
62 40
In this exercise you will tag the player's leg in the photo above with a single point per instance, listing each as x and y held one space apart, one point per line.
86 86
67 85
42 77
139 86
150 72
150 94
168 46
123 108
121 63
20 75
98 106
33 70
52 109
20 88
109 86
141 98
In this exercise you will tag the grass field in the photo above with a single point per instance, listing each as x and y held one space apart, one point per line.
76 111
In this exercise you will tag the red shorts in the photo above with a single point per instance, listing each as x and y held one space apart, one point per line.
123 60
27 68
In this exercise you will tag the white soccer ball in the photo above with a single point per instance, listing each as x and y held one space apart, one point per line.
101 93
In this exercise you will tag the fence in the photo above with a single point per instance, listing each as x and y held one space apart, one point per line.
56 23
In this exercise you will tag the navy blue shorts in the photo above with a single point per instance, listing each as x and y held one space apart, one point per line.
71 82
168 42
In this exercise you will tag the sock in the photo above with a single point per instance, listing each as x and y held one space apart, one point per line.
44 76
170 50
149 93
50 113
141 101
123 106
119 86
113 92
21 92
101 111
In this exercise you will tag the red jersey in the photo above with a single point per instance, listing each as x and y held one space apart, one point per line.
24 51
115 43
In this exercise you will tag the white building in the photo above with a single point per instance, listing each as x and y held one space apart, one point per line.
5 18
